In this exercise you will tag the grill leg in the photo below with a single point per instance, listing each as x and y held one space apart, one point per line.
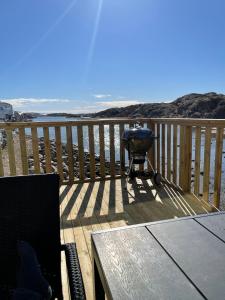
128 173
151 166
130 166
156 176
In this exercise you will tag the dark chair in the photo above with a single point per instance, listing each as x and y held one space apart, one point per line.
29 211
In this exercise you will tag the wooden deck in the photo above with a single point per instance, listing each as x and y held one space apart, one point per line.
100 205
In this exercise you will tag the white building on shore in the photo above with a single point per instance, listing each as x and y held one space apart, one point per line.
6 111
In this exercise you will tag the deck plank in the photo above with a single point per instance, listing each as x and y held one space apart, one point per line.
107 204
77 233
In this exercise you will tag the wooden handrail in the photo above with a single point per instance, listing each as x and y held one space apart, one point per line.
85 122
119 120
190 122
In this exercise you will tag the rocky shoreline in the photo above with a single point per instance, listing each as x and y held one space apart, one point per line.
3 138
42 159
53 152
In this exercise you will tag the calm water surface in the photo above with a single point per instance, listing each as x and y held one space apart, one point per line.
85 134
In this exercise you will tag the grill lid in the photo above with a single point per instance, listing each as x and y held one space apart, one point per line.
137 139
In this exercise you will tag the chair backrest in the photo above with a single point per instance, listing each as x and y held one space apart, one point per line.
29 210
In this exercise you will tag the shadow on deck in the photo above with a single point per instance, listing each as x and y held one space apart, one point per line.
102 205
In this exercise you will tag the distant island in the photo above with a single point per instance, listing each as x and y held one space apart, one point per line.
210 105
69 115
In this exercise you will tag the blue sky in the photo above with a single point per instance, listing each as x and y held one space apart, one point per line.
88 55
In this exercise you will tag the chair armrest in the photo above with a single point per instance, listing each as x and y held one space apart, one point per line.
74 272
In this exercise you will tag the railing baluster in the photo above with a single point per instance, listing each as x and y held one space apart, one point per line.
35 150
158 149
151 152
11 152
181 156
141 166
122 151
175 154
1 163
197 159
69 146
59 152
187 158
23 150
169 152
218 166
206 164
91 151
163 150
102 150
47 144
80 151
112 150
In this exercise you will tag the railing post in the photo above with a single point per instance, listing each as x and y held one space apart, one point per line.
122 151
102 150
163 150
168 152
35 150
59 152
69 146
158 162
91 151
175 154
11 152
197 159
23 150
218 166
1 163
112 150
48 163
151 152
185 157
181 156
207 153
80 151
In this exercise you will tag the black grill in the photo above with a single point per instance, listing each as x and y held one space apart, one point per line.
138 141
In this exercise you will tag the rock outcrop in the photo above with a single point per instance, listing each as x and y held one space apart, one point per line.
23 117
42 159
209 105
3 138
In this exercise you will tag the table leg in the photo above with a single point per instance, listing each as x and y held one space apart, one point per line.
99 290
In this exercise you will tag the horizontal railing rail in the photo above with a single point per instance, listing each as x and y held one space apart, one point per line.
189 152
82 122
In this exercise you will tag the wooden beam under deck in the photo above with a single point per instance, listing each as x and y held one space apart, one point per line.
103 205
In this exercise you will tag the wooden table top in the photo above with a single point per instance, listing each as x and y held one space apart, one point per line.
174 259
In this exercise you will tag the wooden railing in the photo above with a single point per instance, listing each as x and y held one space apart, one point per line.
189 152
79 151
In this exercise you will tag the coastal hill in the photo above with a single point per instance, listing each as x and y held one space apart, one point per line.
209 105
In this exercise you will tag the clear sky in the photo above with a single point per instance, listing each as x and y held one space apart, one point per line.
87 55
